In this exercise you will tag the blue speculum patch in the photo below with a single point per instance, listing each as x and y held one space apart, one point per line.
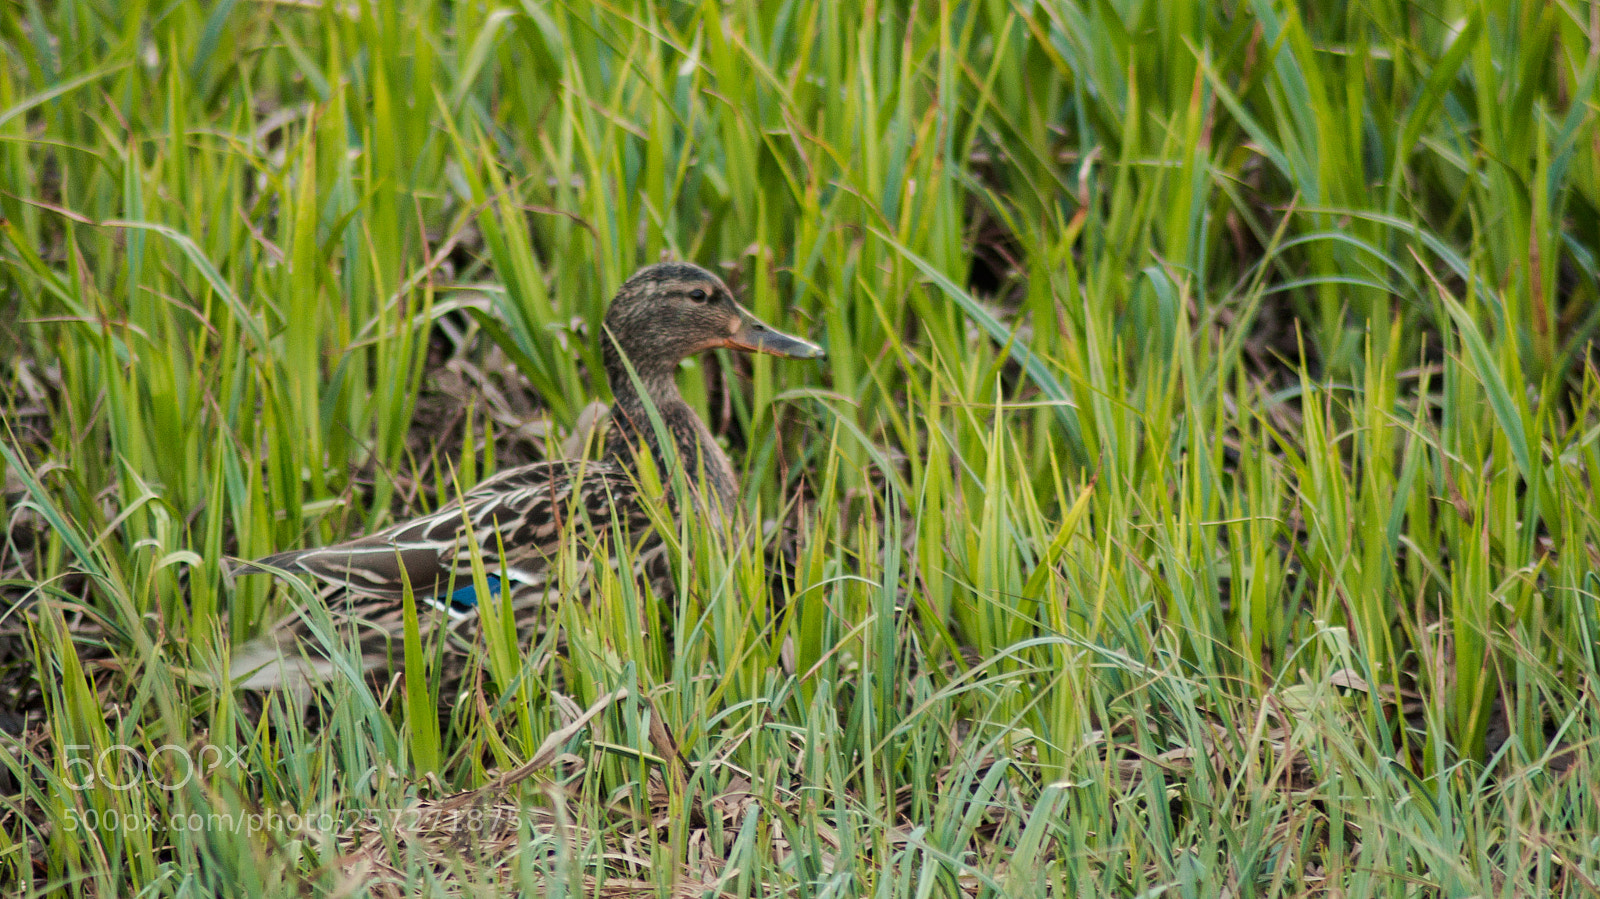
464 601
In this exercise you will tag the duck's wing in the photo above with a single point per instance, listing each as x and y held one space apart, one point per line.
523 509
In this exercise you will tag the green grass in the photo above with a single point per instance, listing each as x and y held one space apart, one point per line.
1198 498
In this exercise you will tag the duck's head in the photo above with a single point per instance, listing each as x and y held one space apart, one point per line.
673 310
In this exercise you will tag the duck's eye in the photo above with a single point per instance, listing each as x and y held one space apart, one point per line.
698 295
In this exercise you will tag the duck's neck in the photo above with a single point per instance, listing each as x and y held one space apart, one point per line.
631 427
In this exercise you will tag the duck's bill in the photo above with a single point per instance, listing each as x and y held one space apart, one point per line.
754 336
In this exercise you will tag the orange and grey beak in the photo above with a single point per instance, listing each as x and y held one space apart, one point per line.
755 336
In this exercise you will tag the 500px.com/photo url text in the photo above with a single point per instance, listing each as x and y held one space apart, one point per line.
462 820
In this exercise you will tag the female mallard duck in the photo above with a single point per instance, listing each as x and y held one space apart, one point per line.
662 315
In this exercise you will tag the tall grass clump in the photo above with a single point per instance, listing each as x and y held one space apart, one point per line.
1198 496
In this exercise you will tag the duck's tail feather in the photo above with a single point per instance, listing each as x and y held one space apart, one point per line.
270 662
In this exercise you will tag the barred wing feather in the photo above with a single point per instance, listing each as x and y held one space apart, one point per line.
524 510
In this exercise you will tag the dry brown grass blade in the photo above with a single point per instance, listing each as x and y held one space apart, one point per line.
547 753
478 829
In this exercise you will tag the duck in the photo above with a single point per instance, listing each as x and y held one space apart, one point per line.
518 521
